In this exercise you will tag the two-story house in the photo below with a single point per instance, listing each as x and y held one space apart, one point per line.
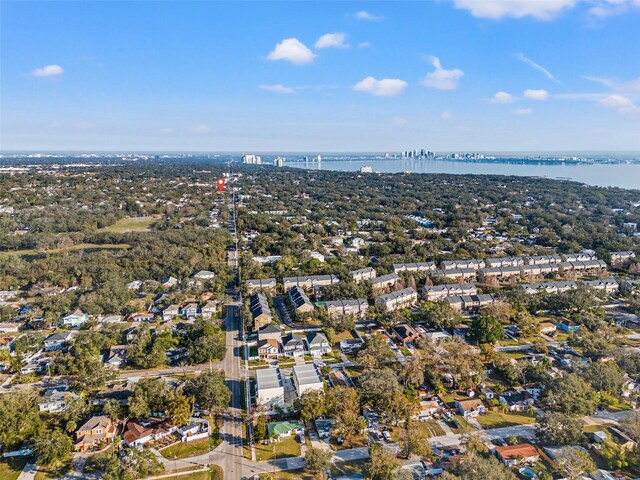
94 432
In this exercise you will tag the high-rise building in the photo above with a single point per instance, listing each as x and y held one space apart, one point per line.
251 159
278 162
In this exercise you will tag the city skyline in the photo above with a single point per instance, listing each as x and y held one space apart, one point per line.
486 76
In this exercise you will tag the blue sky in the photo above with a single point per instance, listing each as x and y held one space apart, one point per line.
487 75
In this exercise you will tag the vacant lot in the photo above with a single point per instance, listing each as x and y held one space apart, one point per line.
186 449
131 224
500 420
287 447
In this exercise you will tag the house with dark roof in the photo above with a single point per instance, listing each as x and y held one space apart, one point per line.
270 330
260 310
404 333
293 346
300 301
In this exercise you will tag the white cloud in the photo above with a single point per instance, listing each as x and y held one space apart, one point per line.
628 86
446 116
48 71
332 40
502 97
386 87
617 101
498 9
201 130
537 67
364 45
277 88
292 50
620 102
167 131
539 95
523 111
367 17
608 8
399 121
442 79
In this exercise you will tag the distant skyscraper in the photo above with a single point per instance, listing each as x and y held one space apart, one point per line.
278 162
251 159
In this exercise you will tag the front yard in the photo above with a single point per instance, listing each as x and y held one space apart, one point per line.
10 468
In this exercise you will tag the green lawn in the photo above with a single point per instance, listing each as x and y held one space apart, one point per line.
215 473
430 427
132 224
500 420
293 475
80 246
287 447
10 468
186 449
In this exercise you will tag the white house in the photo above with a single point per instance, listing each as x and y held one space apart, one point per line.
75 319
270 388
306 378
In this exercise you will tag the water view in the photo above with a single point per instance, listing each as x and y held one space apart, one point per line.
624 175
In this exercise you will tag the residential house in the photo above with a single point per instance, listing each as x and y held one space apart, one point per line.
350 345
209 309
310 281
548 287
543 259
547 328
137 435
141 317
518 454
419 268
471 303
474 264
56 400
307 378
608 285
399 299
471 407
190 311
337 308
135 285
58 341
171 312
300 301
260 310
363 274
620 258
94 432
268 349
204 275
75 319
270 331
293 346
504 262
428 409
460 275
567 325
516 401
385 281
500 274
434 292
324 426
318 344
404 333
265 284
269 388
169 282
116 356
285 428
